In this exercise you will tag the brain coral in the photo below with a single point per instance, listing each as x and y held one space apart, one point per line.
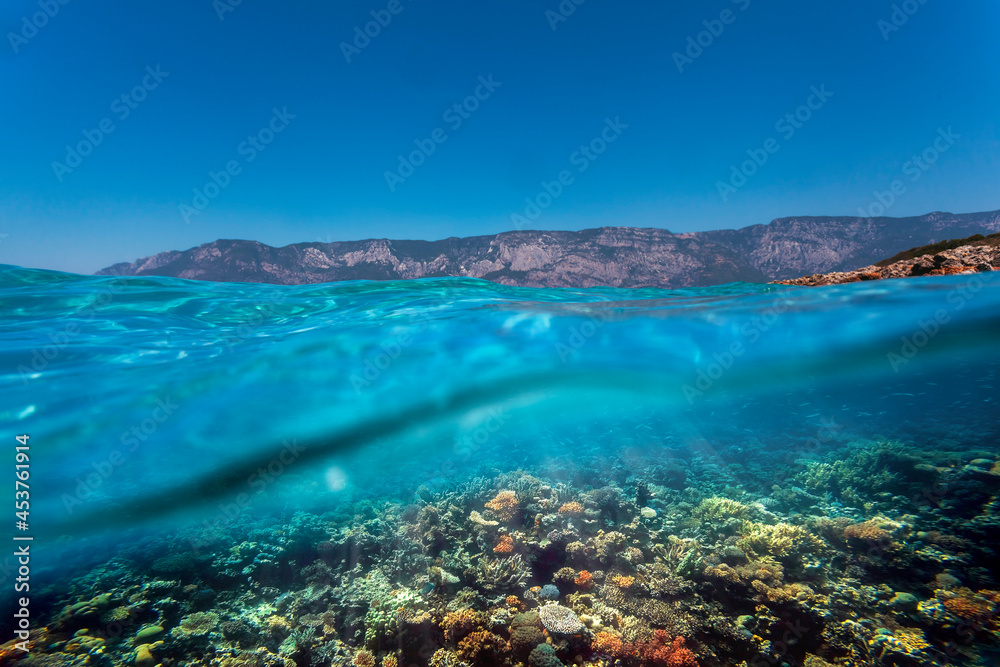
559 619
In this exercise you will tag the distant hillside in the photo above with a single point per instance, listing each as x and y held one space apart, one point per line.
612 256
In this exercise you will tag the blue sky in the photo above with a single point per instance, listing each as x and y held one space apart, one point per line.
224 69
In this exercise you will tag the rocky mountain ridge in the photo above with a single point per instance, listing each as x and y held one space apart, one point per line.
608 256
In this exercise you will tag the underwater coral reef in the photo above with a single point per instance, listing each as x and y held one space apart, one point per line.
870 554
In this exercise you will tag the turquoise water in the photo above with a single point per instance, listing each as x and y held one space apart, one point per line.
180 411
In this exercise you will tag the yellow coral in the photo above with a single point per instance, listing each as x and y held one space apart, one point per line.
779 541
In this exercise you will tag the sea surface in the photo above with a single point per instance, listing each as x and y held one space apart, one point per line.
221 457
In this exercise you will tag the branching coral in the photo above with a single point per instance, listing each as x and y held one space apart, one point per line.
680 556
458 624
479 642
781 540
501 574
720 509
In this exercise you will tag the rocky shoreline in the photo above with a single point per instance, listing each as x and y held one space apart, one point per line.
964 259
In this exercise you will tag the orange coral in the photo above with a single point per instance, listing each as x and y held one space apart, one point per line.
505 545
869 531
659 651
481 642
572 509
460 623
505 505
512 601
390 661
605 642
585 580
662 651
622 581
966 604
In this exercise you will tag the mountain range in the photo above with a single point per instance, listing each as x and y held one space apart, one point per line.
610 256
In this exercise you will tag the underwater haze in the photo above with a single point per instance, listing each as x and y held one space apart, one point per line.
452 473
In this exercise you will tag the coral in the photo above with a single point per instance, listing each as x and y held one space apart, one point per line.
869 531
622 581
718 509
544 656
658 650
525 633
198 623
967 605
504 545
781 540
548 592
390 661
446 658
607 643
501 574
480 642
505 505
584 580
681 556
560 620
143 656
571 509
458 624
565 575
116 615
477 518
661 651
607 545
363 658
